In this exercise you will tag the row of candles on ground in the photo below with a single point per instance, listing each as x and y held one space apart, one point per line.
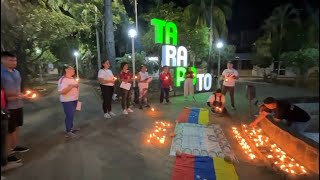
272 152
243 143
158 134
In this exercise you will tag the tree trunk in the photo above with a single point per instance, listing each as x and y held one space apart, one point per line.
109 30
211 31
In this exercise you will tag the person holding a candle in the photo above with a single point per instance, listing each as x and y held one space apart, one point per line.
11 84
217 102
143 84
229 77
165 84
68 89
106 80
188 84
126 78
296 118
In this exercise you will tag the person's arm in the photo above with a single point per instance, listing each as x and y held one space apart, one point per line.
223 75
236 75
67 89
223 100
261 116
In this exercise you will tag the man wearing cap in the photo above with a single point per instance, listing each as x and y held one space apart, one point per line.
296 118
229 77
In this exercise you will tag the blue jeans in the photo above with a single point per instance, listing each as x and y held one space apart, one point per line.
69 109
299 127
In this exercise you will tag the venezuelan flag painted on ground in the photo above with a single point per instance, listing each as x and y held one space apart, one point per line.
189 167
194 115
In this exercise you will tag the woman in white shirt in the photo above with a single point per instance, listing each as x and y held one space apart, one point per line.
68 89
106 80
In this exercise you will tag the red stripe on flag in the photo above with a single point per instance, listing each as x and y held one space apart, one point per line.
183 168
184 116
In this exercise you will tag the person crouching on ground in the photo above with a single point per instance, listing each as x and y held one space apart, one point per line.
165 84
217 102
125 77
296 118
68 89
143 84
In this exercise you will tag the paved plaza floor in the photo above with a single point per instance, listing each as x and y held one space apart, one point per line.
115 148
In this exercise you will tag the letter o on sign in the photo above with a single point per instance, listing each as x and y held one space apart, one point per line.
207 82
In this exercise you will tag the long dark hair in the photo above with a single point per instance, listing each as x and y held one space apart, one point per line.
122 65
102 62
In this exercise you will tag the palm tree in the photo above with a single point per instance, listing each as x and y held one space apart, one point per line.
212 14
278 23
109 32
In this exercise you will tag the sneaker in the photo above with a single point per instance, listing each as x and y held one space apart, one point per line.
233 108
20 149
147 106
112 114
106 115
75 129
9 166
125 112
130 110
13 159
71 135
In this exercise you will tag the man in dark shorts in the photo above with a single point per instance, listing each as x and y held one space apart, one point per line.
296 118
11 84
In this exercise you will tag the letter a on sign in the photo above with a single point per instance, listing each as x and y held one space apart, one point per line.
169 55
182 55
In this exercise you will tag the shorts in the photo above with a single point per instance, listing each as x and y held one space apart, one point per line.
15 119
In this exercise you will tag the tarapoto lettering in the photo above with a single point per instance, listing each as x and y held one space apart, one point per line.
166 33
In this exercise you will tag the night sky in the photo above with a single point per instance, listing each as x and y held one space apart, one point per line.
250 14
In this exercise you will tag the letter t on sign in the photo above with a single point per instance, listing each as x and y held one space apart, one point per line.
158 30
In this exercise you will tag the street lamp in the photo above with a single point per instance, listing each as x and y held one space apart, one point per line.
76 54
132 34
219 45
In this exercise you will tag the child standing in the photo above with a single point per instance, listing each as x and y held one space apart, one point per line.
125 77
165 84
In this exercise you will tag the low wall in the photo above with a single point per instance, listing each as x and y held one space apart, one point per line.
304 150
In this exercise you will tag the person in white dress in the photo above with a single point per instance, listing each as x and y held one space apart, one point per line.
188 84
143 84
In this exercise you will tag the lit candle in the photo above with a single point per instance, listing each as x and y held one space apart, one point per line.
77 79
148 140
152 109
28 92
167 78
34 95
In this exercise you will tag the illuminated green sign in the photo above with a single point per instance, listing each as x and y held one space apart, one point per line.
167 33
170 29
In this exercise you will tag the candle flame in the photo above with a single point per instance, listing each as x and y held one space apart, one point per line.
34 95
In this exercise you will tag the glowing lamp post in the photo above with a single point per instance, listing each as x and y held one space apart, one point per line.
76 54
132 34
219 45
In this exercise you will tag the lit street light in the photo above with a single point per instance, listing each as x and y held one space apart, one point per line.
219 45
132 34
76 54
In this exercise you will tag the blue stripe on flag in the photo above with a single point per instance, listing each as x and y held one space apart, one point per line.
193 116
203 168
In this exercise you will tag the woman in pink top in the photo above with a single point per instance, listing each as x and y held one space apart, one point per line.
69 93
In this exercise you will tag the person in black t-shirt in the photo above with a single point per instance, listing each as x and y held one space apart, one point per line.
296 118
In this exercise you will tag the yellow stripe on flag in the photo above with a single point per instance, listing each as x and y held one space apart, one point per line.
203 117
224 170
